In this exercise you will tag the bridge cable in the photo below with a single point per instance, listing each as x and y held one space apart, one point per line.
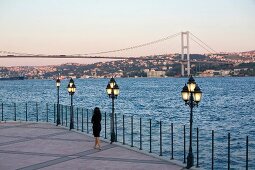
102 52
134 47
15 53
203 43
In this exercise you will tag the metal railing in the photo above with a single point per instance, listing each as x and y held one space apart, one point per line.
158 137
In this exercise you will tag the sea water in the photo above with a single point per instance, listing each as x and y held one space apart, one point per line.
227 106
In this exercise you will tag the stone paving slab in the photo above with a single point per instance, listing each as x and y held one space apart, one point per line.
30 146
73 136
15 161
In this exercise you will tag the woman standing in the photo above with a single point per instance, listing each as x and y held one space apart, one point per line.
96 120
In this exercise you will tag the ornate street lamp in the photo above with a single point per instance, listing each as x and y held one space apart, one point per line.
113 91
191 95
58 108
71 89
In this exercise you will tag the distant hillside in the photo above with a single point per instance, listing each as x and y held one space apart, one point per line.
194 56
134 67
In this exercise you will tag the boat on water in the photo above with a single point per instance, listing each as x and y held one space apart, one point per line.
13 78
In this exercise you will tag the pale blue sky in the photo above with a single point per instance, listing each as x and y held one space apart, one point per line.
84 26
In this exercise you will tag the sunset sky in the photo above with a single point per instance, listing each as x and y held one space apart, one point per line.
88 26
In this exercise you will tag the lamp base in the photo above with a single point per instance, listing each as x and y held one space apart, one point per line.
190 160
58 122
71 126
112 137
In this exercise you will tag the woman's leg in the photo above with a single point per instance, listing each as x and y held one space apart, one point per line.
98 142
95 142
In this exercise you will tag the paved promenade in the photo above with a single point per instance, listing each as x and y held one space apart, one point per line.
28 146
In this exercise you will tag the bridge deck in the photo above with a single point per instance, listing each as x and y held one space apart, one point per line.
29 146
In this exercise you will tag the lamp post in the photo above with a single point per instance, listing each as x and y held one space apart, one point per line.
58 108
71 89
191 95
113 91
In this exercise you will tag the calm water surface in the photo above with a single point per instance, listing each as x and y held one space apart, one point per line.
228 105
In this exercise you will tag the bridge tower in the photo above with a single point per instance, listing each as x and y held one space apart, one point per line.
185 48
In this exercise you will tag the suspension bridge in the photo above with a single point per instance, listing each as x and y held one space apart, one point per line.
185 60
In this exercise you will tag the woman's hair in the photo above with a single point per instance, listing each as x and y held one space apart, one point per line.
97 111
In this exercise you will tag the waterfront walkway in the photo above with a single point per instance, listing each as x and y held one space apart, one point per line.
28 146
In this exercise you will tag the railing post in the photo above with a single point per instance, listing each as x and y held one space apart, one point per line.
66 115
47 112
132 137
160 137
82 120
87 120
71 117
77 118
62 115
54 113
247 152
197 149
141 133
116 128
15 114
26 111
105 125
37 116
172 140
2 111
228 151
150 135
212 149
184 144
123 120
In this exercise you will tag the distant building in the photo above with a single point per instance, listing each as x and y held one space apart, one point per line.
153 73
212 73
207 73
164 68
225 72
146 70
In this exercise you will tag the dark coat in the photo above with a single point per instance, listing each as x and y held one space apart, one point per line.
96 120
